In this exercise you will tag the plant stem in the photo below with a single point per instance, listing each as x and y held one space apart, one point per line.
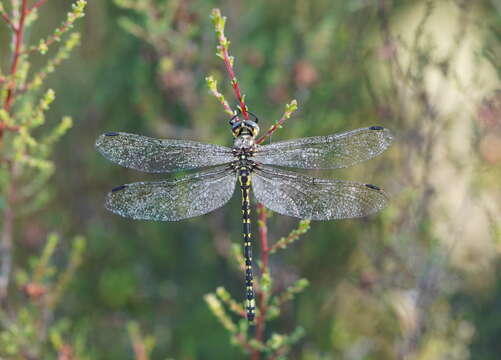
8 21
8 215
18 42
234 83
213 89
224 53
289 109
3 126
271 130
52 39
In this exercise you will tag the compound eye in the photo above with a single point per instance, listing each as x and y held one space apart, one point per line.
236 125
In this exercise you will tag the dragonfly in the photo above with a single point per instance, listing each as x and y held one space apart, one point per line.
262 169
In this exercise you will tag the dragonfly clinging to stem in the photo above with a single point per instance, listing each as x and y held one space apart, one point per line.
259 167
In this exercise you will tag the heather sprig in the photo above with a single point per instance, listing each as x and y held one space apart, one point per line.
29 332
269 302
62 54
77 12
222 52
141 344
28 135
282 243
289 110
212 85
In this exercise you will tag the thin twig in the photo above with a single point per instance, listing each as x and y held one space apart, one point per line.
212 84
52 39
8 21
289 109
139 342
18 42
8 214
282 243
234 83
4 126
223 52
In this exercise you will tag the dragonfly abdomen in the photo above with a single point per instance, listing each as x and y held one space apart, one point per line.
245 182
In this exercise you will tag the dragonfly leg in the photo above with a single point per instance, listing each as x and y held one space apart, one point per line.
250 306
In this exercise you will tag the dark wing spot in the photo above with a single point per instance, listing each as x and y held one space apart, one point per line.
118 188
374 187
111 133
376 128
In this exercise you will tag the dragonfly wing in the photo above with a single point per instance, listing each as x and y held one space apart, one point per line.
326 152
172 200
306 197
160 155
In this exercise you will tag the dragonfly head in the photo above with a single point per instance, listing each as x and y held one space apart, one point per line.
241 127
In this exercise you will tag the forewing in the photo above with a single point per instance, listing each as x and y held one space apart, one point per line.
326 152
160 155
190 196
305 197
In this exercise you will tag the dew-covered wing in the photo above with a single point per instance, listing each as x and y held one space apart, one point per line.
326 152
160 155
172 200
306 197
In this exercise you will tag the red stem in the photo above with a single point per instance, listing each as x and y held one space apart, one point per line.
18 43
18 40
8 21
3 126
234 82
272 129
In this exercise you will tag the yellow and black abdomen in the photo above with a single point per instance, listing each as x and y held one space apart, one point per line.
245 183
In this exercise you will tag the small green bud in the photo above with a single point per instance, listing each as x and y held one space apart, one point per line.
42 47
166 64
276 341
290 108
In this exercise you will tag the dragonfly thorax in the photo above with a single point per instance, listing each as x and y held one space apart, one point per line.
244 143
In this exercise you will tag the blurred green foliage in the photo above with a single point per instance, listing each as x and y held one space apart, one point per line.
417 281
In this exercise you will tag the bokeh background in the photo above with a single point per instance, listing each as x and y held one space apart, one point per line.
420 280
